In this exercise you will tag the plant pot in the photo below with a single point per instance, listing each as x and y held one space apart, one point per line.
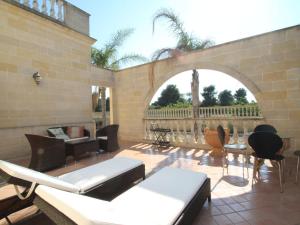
211 137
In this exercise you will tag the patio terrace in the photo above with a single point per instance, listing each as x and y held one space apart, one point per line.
57 46
233 199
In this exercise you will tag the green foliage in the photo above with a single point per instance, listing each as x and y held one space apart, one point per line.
225 98
240 97
180 105
209 95
107 56
168 96
185 41
99 106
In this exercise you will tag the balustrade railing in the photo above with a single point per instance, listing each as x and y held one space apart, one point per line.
183 133
239 111
52 8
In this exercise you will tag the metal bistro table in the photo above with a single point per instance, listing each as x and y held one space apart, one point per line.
160 135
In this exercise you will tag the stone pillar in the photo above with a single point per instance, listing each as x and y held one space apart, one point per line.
103 104
195 101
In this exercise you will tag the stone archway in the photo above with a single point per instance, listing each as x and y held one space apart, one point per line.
268 65
255 90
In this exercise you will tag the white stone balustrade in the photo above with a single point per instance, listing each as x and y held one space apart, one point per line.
239 111
52 8
182 130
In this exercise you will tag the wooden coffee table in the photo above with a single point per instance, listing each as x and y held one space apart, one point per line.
77 148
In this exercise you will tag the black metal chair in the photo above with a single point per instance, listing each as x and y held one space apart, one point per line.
232 148
108 138
266 128
297 153
266 146
46 152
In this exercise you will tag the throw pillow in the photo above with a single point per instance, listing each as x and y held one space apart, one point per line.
58 133
75 132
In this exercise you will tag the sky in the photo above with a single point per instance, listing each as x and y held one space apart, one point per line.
219 20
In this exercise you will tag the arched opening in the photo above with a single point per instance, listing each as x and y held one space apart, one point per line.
220 80
224 100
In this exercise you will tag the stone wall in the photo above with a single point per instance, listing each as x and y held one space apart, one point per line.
30 43
267 64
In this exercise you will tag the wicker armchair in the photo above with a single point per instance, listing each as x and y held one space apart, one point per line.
46 153
108 138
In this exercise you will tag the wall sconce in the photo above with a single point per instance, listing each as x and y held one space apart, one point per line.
37 78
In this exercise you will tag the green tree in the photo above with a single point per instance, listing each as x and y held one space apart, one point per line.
225 98
240 97
185 41
209 96
170 95
107 56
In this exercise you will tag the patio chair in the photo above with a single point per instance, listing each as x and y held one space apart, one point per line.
170 196
265 127
108 138
266 146
46 152
106 177
297 153
232 148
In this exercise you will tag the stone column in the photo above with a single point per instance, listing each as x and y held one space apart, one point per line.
103 104
195 101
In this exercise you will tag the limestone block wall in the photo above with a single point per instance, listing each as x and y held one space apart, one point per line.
102 77
268 64
30 43
76 18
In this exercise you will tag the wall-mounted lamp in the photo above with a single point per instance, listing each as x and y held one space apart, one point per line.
37 77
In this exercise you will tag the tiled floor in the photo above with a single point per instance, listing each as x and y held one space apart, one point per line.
233 199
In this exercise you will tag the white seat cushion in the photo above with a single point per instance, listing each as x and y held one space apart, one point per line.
161 198
78 181
81 209
36 177
102 137
91 176
77 139
158 200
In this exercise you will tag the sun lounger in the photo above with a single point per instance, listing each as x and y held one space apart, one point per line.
170 196
105 177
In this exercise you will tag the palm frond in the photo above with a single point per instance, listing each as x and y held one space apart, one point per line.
118 39
162 53
174 22
204 44
127 59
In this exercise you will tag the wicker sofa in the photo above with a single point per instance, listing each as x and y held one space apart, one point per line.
67 137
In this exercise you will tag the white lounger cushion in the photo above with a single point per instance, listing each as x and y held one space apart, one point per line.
92 176
78 181
158 200
29 175
81 209
161 198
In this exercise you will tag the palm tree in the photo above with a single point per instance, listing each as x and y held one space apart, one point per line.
107 58
186 42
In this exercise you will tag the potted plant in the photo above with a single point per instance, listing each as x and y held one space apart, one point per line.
212 138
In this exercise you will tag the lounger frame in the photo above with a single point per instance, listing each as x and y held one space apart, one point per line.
186 217
109 187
